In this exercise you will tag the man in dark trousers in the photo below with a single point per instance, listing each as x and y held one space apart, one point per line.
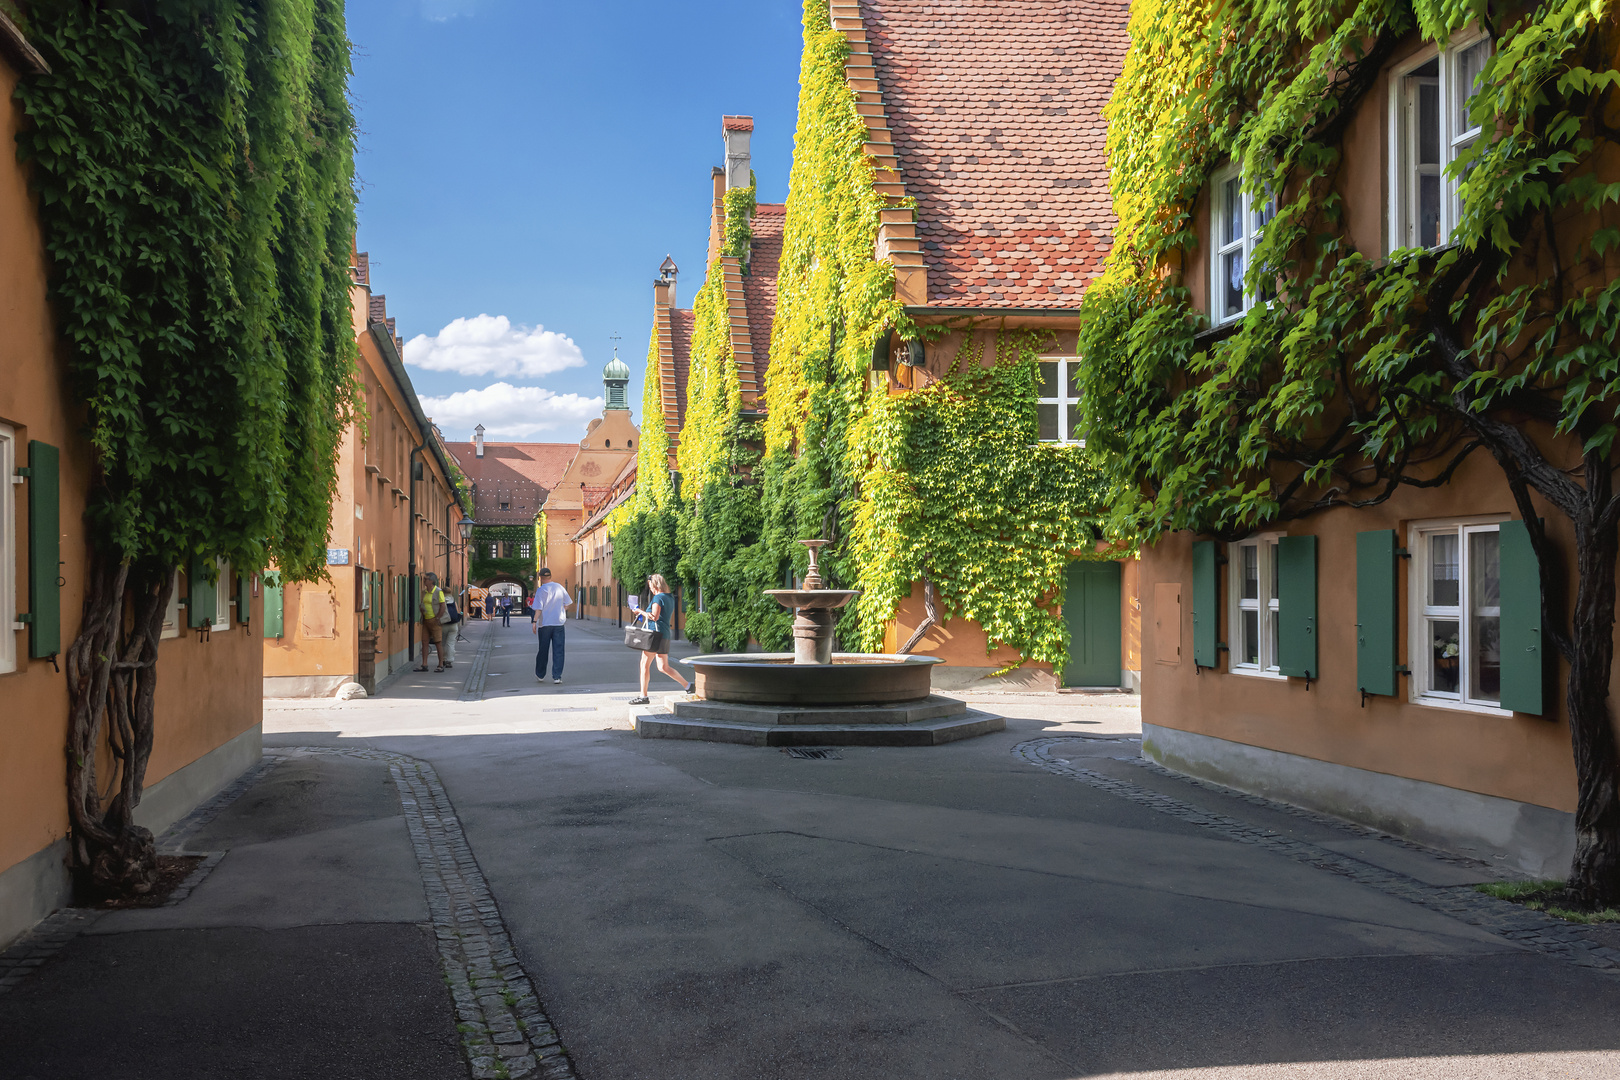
550 612
506 611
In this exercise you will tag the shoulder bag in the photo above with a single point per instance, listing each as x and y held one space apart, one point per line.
638 635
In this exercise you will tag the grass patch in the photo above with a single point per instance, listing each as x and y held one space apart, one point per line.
1547 896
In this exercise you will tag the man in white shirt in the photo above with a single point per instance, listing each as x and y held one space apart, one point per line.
551 611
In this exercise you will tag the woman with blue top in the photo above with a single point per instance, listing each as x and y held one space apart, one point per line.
660 610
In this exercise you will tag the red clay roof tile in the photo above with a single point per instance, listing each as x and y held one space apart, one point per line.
996 114
759 284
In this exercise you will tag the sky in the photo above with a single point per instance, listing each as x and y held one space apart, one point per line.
525 166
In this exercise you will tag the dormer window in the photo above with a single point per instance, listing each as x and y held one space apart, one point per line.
506 506
1429 130
1235 224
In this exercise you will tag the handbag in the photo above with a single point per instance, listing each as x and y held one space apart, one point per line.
444 616
639 636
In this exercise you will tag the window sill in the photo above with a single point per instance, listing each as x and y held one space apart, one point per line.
1256 673
1459 706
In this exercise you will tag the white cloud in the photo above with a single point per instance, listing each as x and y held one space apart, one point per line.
491 345
511 412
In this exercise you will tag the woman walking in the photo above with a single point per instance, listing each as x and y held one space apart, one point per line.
660 609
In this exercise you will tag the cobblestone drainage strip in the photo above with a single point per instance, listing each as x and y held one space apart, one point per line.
504 1033
1532 929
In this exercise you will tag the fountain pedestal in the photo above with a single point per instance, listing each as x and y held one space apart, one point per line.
813 696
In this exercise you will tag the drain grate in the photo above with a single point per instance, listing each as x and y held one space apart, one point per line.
815 752
575 708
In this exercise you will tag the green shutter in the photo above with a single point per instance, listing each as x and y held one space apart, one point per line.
1296 607
1375 612
272 605
1205 602
200 594
1523 658
44 549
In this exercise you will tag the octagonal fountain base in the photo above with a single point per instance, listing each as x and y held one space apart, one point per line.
764 699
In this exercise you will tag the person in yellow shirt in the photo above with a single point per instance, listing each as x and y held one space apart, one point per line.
432 630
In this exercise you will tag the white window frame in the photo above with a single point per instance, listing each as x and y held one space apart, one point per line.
171 615
8 550
1404 192
222 596
1420 611
1254 220
1265 603
1066 400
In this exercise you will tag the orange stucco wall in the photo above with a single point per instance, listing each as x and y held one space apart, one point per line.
1516 757
371 520
207 690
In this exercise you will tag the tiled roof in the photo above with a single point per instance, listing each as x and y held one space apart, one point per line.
681 321
517 473
737 123
759 285
362 268
379 308
996 114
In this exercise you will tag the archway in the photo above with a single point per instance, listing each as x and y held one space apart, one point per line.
508 586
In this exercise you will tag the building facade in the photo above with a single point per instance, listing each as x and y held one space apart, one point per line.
208 721
1381 663
395 516
989 158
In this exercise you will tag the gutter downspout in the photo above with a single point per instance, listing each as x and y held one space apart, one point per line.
410 587
447 541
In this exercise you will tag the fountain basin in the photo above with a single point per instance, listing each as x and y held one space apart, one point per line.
774 679
813 599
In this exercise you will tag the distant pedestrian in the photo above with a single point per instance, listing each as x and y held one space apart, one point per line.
661 610
550 610
506 611
432 609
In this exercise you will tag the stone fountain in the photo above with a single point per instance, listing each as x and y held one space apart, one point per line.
814 696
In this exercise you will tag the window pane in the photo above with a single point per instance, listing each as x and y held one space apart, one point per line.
1271 553
1074 378
1484 572
1469 65
1048 416
1428 118
1231 212
1251 637
1232 284
1076 428
1429 210
1276 649
1485 658
1443 570
1251 571
1444 655
1049 378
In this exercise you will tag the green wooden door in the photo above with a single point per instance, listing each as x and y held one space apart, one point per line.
1091 612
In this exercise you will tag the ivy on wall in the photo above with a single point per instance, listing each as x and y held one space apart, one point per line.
946 482
1366 372
193 165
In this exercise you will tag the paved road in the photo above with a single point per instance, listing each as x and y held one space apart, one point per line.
722 912
712 911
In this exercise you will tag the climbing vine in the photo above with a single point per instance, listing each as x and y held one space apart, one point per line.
643 527
193 163
1364 371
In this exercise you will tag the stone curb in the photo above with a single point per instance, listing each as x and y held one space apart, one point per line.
1532 929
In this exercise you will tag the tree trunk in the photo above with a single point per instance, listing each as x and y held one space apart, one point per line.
1595 876
112 683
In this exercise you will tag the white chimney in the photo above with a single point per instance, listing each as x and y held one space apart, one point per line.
737 131
478 440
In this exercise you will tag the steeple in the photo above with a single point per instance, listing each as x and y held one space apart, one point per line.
615 376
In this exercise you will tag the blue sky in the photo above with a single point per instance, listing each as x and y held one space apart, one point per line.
534 161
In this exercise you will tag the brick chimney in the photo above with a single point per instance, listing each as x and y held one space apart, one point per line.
664 287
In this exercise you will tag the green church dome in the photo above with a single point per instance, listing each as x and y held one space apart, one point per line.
616 368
